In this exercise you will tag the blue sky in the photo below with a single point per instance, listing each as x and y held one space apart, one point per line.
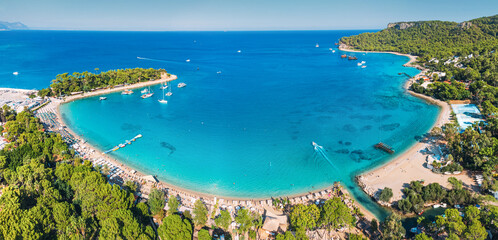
166 15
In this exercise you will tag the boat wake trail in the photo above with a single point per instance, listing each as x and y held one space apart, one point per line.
155 60
321 151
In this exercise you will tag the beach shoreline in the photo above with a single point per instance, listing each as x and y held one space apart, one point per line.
182 191
393 173
138 175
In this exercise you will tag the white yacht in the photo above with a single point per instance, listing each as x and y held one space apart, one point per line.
147 95
163 100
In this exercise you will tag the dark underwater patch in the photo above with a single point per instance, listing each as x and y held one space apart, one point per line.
366 127
168 146
342 151
130 127
389 127
362 117
349 128
359 155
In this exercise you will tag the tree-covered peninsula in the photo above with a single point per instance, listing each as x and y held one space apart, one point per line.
459 62
431 39
65 84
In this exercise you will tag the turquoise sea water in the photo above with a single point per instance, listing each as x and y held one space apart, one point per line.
246 132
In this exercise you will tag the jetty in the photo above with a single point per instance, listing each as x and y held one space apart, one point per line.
406 74
122 145
384 147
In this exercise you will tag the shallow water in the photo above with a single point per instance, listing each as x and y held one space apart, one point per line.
246 132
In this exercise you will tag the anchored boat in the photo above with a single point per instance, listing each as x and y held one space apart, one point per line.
127 92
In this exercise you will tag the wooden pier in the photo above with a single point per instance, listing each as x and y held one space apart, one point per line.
406 74
385 147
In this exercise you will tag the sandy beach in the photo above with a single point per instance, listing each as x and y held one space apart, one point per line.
393 173
126 173
409 166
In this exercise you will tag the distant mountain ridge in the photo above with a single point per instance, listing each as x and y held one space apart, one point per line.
12 26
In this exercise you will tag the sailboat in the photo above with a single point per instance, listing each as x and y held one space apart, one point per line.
163 87
162 100
148 94
169 93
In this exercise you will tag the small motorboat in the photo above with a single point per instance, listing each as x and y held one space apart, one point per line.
315 145
239 51
181 85
144 91
364 66
188 60
169 94
102 98
15 73
317 45
162 101
147 95
127 92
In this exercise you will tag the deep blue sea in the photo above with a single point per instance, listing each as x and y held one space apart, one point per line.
246 132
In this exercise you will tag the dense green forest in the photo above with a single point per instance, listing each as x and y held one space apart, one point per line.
431 39
49 193
65 84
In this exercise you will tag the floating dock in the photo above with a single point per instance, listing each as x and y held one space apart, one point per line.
122 145
384 147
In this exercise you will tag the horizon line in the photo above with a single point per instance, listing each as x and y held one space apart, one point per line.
241 30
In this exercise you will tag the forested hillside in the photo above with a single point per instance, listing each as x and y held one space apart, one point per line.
431 39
